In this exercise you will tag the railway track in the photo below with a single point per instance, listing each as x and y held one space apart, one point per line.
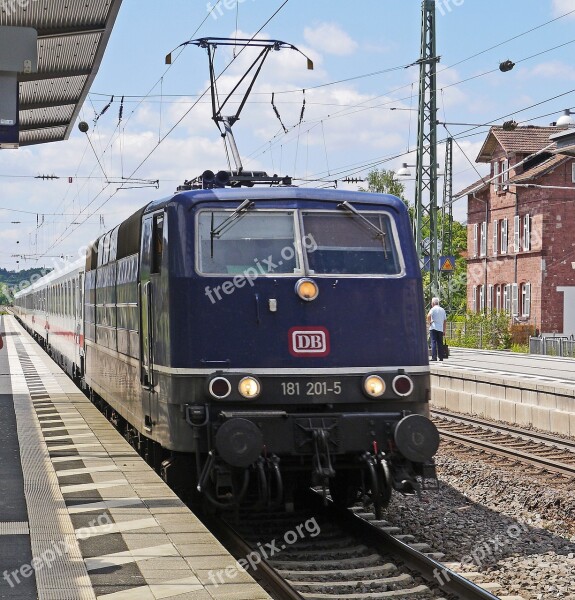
325 553
550 453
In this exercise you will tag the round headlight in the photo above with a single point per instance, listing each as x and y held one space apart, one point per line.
374 386
249 387
220 388
402 385
307 289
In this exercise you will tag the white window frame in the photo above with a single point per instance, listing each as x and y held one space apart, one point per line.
505 174
481 298
498 305
474 299
504 227
526 300
475 239
527 233
496 175
483 244
507 298
516 233
495 236
490 297
573 172
514 300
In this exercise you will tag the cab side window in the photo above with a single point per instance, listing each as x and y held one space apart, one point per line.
157 243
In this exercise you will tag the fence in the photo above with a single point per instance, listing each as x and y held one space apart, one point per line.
552 346
474 335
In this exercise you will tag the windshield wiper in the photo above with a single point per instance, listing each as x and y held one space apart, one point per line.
380 233
217 231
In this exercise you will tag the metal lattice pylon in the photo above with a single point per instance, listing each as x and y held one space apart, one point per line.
425 222
447 211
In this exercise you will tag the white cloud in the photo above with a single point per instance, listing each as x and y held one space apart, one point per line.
330 38
554 69
561 7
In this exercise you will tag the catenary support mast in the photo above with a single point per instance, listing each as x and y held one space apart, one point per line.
425 222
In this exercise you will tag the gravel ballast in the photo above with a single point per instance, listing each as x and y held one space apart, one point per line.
505 522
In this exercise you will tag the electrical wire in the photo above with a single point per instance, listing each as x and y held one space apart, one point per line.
366 75
66 235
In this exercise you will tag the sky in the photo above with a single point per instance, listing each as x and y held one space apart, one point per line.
360 104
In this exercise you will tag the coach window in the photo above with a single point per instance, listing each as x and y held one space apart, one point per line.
157 243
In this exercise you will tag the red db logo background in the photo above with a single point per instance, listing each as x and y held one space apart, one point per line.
308 341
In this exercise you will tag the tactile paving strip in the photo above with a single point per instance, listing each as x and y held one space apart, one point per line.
14 528
60 570
149 546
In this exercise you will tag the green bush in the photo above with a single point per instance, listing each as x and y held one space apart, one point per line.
520 348
477 330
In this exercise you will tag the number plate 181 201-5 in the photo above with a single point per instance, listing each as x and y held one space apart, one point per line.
316 388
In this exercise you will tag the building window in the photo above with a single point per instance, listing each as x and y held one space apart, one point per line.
496 176
504 236
475 240
498 304
573 172
495 237
516 233
481 298
505 174
483 249
490 297
526 233
526 299
515 300
507 298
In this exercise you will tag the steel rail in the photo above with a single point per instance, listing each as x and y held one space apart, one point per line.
264 574
557 442
386 543
538 461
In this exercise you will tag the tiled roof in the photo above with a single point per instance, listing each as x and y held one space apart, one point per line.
539 170
526 140
476 187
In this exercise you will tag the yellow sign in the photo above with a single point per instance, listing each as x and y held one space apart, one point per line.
447 263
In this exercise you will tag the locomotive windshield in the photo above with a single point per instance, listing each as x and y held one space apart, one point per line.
351 245
270 242
263 240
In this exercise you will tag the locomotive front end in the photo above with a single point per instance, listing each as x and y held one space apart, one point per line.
309 333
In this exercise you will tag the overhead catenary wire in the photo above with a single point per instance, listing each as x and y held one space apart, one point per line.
342 113
69 232
322 120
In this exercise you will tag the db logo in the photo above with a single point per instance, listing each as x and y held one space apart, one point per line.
308 341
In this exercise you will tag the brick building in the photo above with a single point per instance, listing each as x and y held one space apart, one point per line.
521 229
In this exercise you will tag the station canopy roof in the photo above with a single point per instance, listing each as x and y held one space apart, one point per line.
72 38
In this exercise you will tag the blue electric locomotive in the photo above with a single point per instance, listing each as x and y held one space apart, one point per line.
261 339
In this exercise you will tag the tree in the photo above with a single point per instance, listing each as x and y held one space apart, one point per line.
384 182
454 286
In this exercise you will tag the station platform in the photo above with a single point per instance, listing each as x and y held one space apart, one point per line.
82 516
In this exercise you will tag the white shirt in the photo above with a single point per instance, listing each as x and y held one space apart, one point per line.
438 318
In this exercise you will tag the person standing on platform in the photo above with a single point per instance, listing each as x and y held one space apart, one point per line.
437 320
